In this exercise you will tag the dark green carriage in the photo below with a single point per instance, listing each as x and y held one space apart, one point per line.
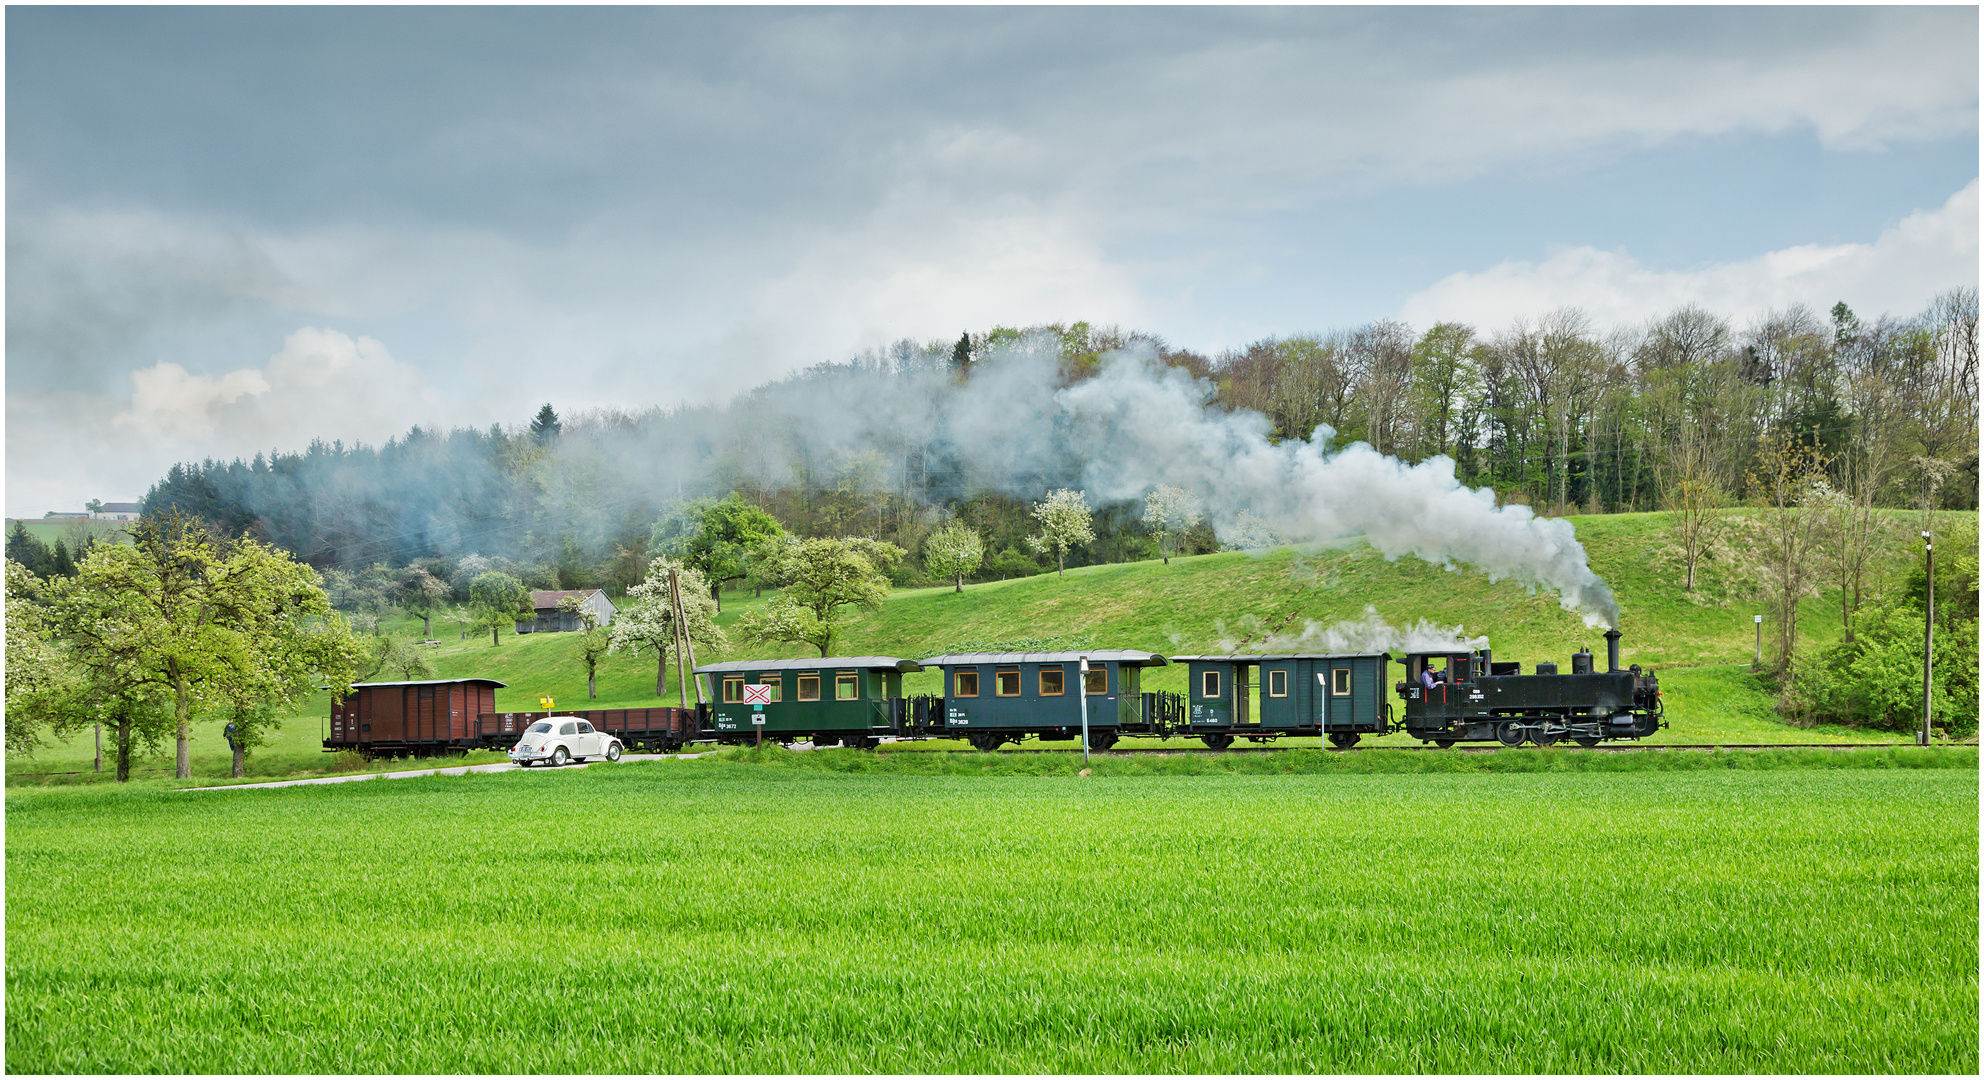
1269 696
831 700
994 698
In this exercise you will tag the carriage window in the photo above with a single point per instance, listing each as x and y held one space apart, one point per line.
1209 684
1277 683
967 684
773 682
809 688
1053 682
847 686
1009 684
1096 681
1340 681
733 690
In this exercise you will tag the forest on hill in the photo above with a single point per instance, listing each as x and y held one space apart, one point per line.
1552 413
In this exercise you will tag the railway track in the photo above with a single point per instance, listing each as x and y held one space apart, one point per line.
1476 748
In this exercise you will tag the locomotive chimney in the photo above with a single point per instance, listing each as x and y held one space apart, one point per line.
1611 650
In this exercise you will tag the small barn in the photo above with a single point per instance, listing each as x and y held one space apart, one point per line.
552 617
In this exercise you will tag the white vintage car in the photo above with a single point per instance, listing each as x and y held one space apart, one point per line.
559 739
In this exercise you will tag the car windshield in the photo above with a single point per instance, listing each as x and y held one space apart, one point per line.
540 729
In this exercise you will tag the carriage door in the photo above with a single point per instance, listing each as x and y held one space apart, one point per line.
1337 697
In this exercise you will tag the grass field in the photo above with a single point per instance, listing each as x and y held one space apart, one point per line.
1700 642
851 912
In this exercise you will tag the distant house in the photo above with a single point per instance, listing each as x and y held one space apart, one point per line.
61 515
118 512
551 618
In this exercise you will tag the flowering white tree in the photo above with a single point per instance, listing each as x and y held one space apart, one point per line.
647 622
954 551
1170 511
1065 521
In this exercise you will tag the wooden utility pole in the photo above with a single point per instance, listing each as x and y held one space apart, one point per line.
675 623
1928 636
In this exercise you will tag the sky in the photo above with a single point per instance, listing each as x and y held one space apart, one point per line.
233 230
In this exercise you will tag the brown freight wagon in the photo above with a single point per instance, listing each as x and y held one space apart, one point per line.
662 730
434 716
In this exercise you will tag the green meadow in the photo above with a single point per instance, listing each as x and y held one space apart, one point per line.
770 912
1699 642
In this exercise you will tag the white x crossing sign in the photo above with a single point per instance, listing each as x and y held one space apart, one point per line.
758 694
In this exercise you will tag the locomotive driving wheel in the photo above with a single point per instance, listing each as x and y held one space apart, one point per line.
1509 733
1444 744
1544 736
1587 741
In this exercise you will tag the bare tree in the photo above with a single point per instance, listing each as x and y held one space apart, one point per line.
1788 482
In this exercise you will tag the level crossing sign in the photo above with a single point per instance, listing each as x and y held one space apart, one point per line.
758 694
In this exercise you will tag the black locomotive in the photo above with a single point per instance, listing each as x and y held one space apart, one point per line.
1468 697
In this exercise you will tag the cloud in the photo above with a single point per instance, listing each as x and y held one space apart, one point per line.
1925 253
322 382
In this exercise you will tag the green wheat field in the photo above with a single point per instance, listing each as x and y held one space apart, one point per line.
1389 911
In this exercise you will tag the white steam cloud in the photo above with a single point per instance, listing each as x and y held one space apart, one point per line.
1372 634
1140 428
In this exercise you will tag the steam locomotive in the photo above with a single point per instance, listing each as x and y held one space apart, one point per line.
1473 699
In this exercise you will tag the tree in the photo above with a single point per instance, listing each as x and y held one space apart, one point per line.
37 668
953 552
545 428
395 655
497 599
421 591
1694 497
1065 521
94 506
715 537
1788 481
961 357
593 642
646 623
248 726
208 620
822 577
25 548
1170 511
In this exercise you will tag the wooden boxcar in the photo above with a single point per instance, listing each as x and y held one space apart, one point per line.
1268 696
831 700
421 717
661 730
994 698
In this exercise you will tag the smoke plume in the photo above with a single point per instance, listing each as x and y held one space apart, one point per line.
1372 634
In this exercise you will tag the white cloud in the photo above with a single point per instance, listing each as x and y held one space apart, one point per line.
322 382
1923 254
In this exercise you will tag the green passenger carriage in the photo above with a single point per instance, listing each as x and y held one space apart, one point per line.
831 700
1262 697
995 698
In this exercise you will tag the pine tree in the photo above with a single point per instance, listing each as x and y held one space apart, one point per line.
544 430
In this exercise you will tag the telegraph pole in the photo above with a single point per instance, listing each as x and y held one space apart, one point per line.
1928 635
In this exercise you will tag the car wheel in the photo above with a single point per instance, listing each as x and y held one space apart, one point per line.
559 756
613 751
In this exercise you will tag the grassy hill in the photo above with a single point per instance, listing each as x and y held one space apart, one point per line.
1700 642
